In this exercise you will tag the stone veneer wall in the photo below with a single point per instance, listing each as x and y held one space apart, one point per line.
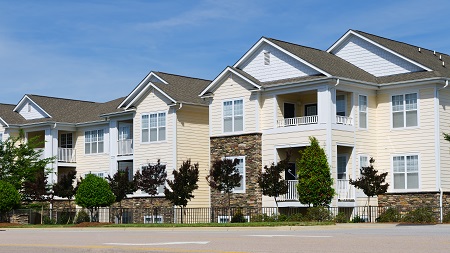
248 145
407 201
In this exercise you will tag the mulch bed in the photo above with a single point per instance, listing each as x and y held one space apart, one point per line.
5 225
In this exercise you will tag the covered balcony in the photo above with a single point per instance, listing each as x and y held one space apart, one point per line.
125 138
66 147
302 108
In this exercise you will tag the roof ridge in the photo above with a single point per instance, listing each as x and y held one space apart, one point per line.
71 99
294 44
401 42
190 77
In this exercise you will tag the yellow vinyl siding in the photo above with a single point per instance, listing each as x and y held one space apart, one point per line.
150 152
444 121
233 88
193 143
416 140
91 162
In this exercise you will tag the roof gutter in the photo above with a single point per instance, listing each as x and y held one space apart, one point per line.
129 111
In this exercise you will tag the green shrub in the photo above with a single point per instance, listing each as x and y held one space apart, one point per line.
238 217
389 215
282 217
65 217
358 219
48 221
420 215
341 218
82 216
446 218
318 213
295 217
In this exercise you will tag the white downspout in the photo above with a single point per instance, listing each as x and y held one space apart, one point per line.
438 172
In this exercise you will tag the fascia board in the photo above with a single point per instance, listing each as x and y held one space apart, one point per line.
224 73
138 96
25 98
264 40
4 122
136 91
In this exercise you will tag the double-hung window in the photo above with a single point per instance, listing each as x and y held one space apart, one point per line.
404 110
406 171
362 111
93 141
233 115
153 127
241 167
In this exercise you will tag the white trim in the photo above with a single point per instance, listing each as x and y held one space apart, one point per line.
243 185
138 90
404 110
30 100
4 122
367 113
174 136
232 100
405 173
264 40
222 75
351 32
138 96
166 112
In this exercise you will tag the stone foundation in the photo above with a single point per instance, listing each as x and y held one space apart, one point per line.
248 145
408 201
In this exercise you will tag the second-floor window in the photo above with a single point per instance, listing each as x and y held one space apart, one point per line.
404 110
362 111
66 140
233 116
93 141
153 127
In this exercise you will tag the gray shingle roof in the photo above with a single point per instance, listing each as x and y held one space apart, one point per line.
62 110
183 89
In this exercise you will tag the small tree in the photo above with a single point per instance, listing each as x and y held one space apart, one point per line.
271 181
9 198
20 160
121 186
183 184
370 182
315 185
151 177
224 176
94 192
36 189
64 187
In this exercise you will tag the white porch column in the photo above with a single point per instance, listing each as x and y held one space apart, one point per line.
113 146
51 150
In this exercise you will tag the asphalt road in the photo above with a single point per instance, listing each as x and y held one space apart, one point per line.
344 238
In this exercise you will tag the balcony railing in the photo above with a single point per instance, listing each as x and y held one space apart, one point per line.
292 194
297 121
344 120
125 147
345 190
66 155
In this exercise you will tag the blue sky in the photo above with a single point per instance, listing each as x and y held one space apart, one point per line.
100 50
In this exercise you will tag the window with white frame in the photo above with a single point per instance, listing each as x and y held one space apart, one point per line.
1 137
362 111
153 219
363 161
153 127
94 141
342 167
233 115
406 171
102 174
241 167
340 105
404 110
66 140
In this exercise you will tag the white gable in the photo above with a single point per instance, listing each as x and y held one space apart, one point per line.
373 59
29 110
280 65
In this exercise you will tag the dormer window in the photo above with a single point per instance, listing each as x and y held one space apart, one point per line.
266 58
